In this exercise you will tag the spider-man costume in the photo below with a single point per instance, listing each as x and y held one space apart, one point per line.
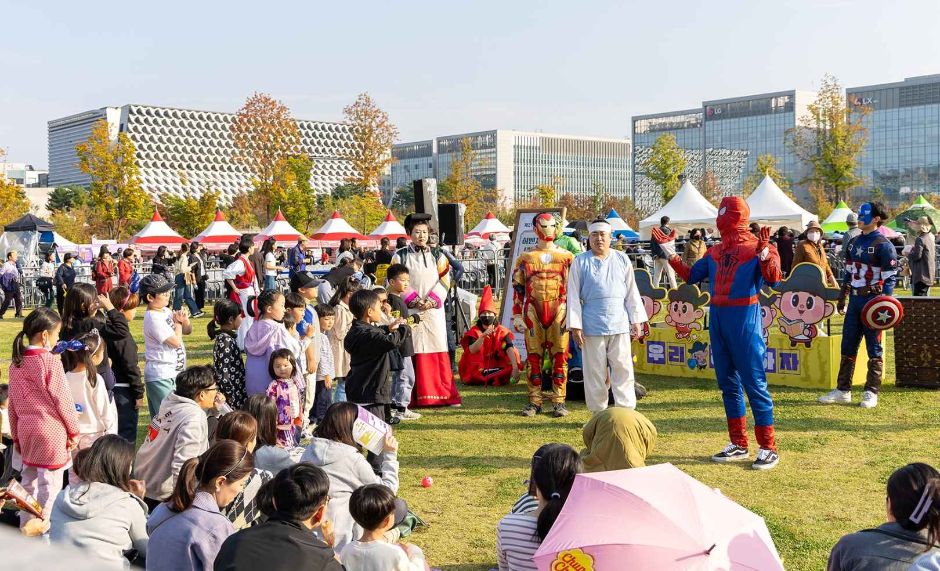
736 269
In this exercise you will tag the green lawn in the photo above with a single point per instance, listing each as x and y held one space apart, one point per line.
834 460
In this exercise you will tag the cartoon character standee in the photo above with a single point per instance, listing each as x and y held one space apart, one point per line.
768 312
685 310
698 355
803 300
651 297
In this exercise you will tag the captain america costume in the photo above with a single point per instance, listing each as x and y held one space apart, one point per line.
871 268
737 268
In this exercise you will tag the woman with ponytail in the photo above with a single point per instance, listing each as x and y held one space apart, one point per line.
518 536
228 360
43 422
187 530
912 531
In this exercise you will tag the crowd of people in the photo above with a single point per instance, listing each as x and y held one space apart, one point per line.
254 459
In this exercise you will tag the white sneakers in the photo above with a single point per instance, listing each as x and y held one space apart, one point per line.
869 399
836 396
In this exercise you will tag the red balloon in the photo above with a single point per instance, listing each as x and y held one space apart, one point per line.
427 482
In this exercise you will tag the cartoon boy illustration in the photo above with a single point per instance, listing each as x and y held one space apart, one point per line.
803 300
650 296
698 355
685 309
768 312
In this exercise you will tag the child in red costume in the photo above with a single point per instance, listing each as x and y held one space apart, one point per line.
489 357
737 269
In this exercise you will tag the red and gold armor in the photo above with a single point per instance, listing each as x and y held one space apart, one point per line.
540 280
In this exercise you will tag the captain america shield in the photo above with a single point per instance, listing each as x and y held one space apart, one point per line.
882 312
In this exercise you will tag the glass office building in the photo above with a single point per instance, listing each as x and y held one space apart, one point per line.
724 137
687 127
902 155
515 162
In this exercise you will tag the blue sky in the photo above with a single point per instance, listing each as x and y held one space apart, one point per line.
444 67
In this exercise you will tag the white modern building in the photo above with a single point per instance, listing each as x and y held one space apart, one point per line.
23 174
188 152
515 162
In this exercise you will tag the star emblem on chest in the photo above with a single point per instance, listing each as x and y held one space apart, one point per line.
858 251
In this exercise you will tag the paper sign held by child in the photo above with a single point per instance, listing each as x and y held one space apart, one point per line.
370 431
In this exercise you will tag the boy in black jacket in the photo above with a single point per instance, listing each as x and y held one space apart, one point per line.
370 349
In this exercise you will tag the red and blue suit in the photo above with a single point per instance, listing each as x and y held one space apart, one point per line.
871 266
737 268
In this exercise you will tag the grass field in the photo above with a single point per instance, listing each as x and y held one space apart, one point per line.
830 481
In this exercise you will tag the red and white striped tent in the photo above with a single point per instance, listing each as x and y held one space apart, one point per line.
157 233
335 229
218 234
389 228
281 230
489 225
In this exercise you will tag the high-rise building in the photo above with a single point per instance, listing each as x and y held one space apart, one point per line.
902 154
724 137
515 162
24 174
188 152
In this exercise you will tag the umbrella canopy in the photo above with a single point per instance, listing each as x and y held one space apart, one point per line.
281 230
335 229
619 226
921 207
28 223
389 228
219 233
888 232
157 233
489 225
771 207
835 222
676 523
688 209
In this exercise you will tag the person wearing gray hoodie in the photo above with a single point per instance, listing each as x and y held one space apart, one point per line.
180 431
334 450
105 515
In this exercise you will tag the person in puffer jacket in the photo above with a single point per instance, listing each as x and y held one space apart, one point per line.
336 453
105 514
180 431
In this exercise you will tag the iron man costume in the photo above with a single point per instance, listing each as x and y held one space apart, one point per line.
540 279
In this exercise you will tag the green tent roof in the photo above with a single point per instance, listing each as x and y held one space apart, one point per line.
920 207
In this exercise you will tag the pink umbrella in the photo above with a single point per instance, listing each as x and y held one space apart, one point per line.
654 518
888 232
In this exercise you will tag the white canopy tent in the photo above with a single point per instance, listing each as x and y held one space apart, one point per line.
688 209
489 225
771 207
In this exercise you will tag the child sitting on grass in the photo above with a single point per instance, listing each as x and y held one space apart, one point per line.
376 509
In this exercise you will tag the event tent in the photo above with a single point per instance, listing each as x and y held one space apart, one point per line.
771 207
489 225
281 230
157 233
619 226
921 207
835 222
24 235
688 209
389 228
218 234
335 229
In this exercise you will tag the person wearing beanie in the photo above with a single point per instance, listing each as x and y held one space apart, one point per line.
489 357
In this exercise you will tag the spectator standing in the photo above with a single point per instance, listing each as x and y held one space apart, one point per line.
922 256
46 275
662 242
103 272
854 231
64 280
811 250
785 245
197 255
184 280
122 349
125 267
10 280
695 248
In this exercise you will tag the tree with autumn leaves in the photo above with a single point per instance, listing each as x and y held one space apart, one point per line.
13 201
463 187
116 206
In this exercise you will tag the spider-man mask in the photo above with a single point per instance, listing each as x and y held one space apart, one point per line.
733 213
